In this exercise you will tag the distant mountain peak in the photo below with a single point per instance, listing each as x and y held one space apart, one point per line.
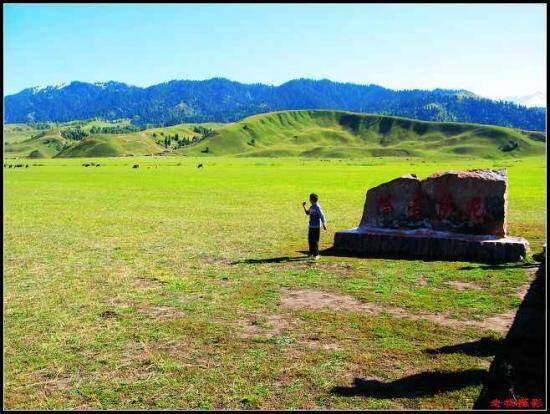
40 88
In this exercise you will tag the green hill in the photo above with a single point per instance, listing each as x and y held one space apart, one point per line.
33 143
346 134
14 133
313 133
112 146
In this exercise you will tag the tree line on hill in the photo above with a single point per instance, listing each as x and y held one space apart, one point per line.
175 141
116 129
221 100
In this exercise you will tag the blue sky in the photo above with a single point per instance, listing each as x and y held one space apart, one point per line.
492 50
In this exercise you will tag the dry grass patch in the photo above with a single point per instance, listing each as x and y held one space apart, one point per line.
463 285
282 326
145 283
154 311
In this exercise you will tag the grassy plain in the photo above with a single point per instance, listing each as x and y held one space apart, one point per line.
160 287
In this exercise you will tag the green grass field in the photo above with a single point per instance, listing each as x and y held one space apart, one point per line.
153 287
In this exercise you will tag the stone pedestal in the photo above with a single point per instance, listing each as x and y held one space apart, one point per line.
429 244
452 215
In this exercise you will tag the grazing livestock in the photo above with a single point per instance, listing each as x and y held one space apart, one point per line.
199 166
135 166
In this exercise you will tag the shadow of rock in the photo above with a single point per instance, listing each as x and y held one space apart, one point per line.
501 266
418 385
518 370
481 348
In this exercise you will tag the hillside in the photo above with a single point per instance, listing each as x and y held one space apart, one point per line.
109 146
290 133
345 134
222 100
96 138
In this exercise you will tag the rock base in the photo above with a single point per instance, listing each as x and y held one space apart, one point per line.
365 241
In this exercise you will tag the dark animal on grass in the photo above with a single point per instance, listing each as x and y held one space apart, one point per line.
200 166
135 166
26 165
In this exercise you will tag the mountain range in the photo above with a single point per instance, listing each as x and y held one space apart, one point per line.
223 100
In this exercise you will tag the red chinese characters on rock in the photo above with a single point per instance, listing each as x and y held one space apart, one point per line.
465 202
414 209
385 205
444 206
476 209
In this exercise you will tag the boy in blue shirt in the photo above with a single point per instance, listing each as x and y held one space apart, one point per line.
316 218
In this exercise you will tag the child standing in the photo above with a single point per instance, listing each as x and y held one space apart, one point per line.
316 218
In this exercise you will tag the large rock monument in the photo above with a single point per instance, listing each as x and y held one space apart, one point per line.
452 215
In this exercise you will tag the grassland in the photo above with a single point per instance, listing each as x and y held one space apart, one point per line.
160 287
311 134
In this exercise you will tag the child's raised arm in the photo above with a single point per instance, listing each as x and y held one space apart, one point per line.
306 210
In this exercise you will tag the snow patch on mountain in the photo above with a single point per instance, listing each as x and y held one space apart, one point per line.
40 88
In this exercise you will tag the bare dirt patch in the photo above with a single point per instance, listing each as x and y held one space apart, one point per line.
463 285
136 352
500 323
266 326
280 325
155 311
316 300
215 260
145 283
422 281
160 312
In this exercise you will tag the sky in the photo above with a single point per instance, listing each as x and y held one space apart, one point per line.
493 50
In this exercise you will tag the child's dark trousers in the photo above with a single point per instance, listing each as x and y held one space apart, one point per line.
313 239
